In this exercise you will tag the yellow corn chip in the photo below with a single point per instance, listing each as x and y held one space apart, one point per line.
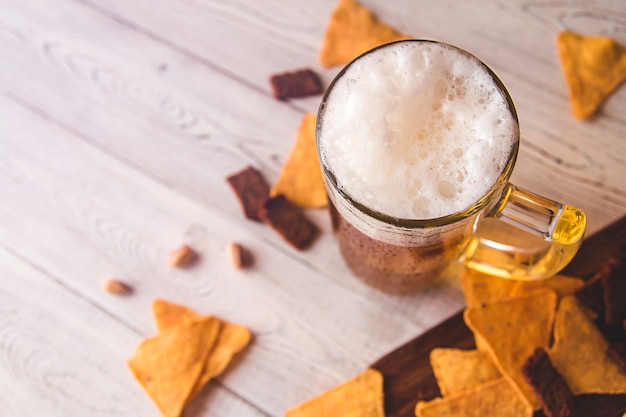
352 30
301 180
594 66
168 314
457 370
580 353
512 330
494 398
481 289
561 284
169 364
231 339
361 396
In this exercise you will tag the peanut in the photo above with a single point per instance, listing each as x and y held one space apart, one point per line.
117 287
181 256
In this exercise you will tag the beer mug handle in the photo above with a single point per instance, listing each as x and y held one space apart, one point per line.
525 236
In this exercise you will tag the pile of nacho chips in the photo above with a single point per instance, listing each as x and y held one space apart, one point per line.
510 320
189 350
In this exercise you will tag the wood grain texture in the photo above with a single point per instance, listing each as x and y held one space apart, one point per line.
120 121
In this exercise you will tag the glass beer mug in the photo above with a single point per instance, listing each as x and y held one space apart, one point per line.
417 141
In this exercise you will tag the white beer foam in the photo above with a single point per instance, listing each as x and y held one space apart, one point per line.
417 130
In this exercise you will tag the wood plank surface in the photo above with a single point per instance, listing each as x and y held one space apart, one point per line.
408 374
119 122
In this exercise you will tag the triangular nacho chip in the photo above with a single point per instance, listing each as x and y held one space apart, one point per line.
580 353
352 30
491 399
561 284
231 339
301 179
594 66
480 289
457 370
169 364
167 314
361 396
512 330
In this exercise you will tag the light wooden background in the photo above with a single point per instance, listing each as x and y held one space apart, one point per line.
119 121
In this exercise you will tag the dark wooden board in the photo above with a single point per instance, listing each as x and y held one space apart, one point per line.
408 376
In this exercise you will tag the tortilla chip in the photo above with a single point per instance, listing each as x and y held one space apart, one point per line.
561 284
296 84
494 398
168 314
594 66
512 330
231 339
361 396
301 180
169 364
580 353
457 370
481 289
352 30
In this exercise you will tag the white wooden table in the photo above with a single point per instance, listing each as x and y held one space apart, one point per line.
119 121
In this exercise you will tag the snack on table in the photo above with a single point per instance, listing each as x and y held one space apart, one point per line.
617 352
296 84
593 66
553 392
169 364
251 189
512 330
495 398
591 294
352 30
182 256
480 289
457 370
190 349
614 286
577 344
580 353
561 284
361 396
301 180
289 221
232 338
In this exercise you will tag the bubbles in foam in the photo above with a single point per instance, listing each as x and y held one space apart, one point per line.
416 130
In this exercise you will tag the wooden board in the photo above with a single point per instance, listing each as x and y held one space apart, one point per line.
409 377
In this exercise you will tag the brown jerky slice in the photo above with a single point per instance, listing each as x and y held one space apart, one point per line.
614 286
592 293
554 394
617 352
289 221
252 190
296 84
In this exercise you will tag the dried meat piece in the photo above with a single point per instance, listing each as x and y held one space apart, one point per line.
289 221
296 84
617 352
614 288
554 394
251 189
591 294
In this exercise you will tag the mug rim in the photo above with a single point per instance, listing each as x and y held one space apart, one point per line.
477 206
